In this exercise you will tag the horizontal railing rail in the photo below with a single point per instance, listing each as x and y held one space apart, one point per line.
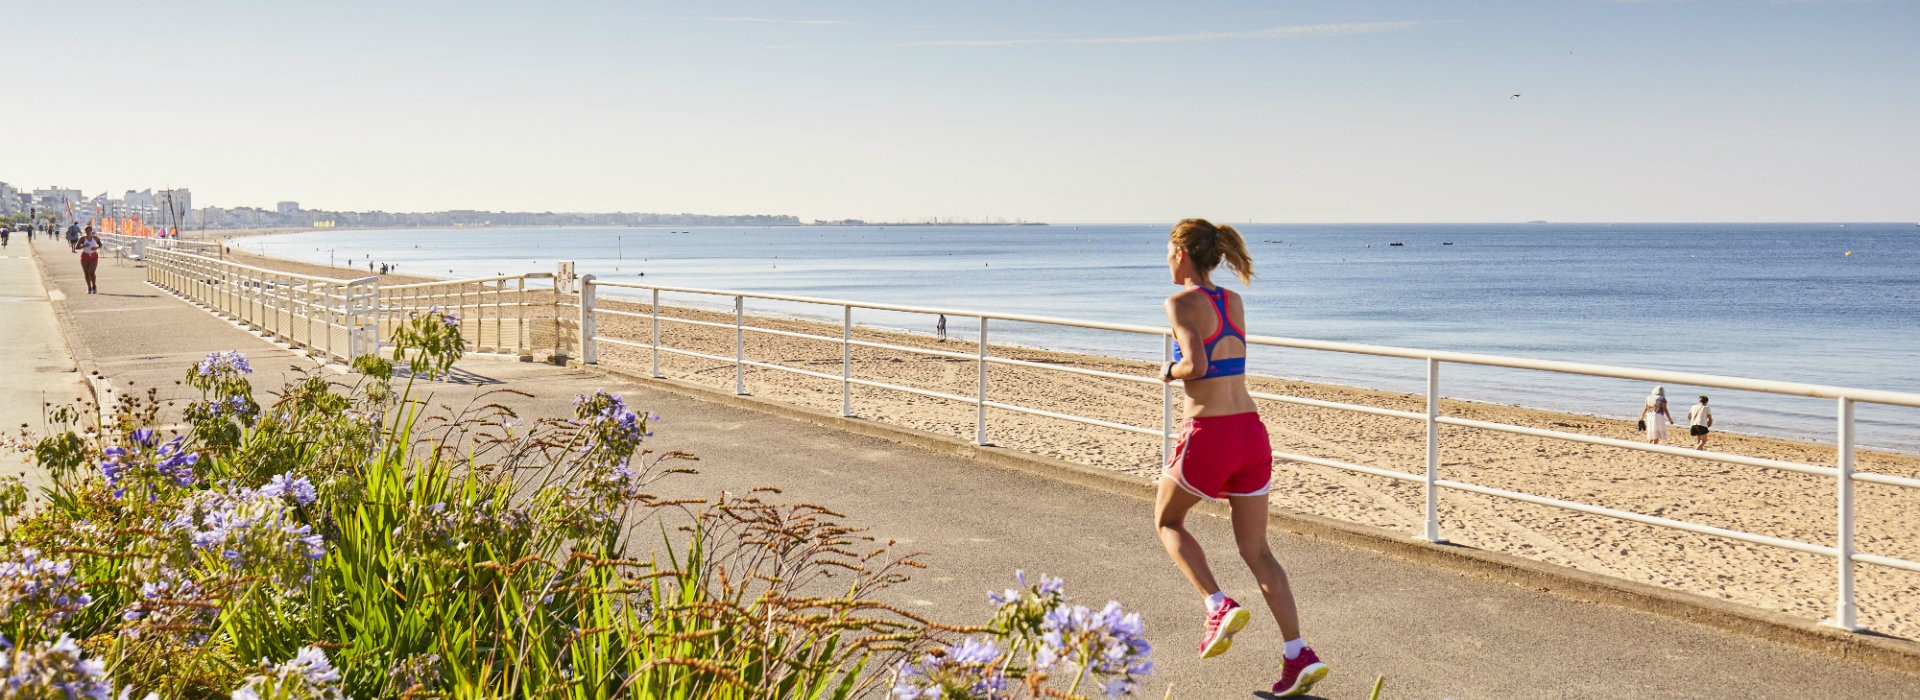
1845 474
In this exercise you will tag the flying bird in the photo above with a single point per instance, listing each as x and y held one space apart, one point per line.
1514 95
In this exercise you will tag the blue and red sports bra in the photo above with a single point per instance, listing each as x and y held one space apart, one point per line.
1219 368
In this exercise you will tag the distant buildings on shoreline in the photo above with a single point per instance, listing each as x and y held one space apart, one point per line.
175 207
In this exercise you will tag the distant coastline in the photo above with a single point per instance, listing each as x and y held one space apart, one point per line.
883 224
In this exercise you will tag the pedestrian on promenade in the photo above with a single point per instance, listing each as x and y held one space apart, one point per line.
1699 419
4 234
940 328
88 246
1223 450
73 232
1654 417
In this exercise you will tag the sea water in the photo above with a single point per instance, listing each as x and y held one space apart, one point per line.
1816 303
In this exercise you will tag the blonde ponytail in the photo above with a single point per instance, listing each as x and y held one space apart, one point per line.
1207 244
1234 249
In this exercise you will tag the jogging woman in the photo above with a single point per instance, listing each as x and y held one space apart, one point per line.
1223 450
89 246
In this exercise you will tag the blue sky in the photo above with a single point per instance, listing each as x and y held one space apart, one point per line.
1279 111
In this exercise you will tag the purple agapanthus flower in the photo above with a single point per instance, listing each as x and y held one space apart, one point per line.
231 362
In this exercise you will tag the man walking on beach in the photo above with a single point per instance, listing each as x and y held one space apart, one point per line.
940 328
1701 418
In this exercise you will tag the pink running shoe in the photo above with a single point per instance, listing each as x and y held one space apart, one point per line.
1300 673
1221 624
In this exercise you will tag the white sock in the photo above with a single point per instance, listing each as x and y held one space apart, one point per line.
1295 646
1216 600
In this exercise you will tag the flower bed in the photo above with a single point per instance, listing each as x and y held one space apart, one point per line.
343 542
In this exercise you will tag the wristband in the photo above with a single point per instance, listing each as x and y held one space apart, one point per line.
1166 374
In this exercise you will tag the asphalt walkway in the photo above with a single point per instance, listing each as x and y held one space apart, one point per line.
1432 633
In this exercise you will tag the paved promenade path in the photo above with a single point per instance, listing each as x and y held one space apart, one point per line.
1431 632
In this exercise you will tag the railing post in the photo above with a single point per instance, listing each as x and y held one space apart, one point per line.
588 351
1432 533
980 420
656 334
739 345
1845 613
1166 404
846 360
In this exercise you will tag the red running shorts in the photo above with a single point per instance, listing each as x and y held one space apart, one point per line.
1221 456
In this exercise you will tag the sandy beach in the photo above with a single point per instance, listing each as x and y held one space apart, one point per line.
1764 501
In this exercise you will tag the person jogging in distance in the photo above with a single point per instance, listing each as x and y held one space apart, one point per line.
1223 450
88 245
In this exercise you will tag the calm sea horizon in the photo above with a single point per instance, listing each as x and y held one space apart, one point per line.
1815 303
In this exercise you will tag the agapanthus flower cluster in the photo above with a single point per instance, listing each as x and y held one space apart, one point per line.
295 488
37 590
1042 626
238 407
174 603
1051 589
254 532
608 429
51 670
145 459
220 365
1109 642
973 668
308 675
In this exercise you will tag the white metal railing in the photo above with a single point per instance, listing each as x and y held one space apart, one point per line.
135 247
1845 475
497 314
330 317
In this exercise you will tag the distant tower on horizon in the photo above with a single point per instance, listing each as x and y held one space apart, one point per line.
287 207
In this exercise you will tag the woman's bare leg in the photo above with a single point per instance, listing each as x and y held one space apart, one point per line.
1170 515
1250 533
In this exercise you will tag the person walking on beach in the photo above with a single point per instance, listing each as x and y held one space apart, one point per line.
88 246
1223 450
1654 417
940 328
1699 419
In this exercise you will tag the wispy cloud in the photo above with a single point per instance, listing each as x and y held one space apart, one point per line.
739 20
1295 31
776 20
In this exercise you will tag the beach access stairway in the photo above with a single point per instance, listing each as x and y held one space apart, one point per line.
628 328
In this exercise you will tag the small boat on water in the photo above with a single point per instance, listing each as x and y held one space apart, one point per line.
1397 243
1446 243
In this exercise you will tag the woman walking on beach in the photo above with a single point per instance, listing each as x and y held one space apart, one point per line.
1223 450
89 246
1654 416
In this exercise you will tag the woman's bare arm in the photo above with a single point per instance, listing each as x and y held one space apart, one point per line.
1181 315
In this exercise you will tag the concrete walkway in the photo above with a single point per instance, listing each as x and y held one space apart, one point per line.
35 367
1432 633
